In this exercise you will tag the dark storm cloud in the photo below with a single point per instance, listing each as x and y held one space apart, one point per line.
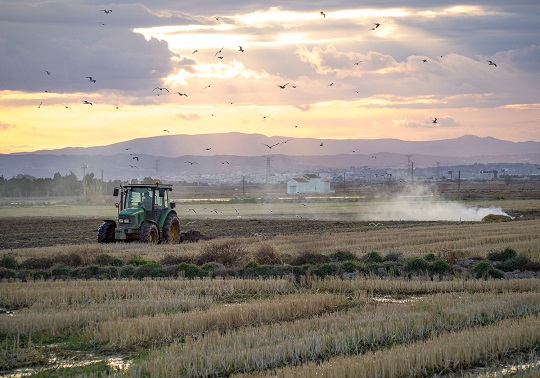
68 40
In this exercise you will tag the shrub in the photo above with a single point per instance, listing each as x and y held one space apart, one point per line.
393 256
439 267
8 261
506 254
191 270
127 271
70 259
349 266
310 258
86 272
139 261
482 269
6 273
533 266
417 264
343 256
34 263
60 271
108 272
229 253
517 263
326 269
107 260
41 275
373 257
175 259
266 254
149 270
430 257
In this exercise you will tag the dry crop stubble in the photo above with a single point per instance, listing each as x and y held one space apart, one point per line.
450 352
359 329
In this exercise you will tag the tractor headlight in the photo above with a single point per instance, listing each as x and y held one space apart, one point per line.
124 220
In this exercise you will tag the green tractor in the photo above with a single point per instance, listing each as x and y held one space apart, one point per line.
145 214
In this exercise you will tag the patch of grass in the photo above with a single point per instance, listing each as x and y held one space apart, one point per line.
373 257
108 260
99 369
308 257
343 256
231 253
266 254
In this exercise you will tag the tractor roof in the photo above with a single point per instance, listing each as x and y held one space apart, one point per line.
152 186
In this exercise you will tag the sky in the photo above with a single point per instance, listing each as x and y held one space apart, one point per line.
85 73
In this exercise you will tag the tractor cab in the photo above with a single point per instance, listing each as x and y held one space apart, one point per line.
145 213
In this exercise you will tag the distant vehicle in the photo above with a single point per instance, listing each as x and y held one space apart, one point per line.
145 214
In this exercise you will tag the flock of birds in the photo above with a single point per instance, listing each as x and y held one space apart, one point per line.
158 91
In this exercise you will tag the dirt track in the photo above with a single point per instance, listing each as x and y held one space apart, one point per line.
44 232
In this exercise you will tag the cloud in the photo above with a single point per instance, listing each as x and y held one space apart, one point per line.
188 117
7 126
444 122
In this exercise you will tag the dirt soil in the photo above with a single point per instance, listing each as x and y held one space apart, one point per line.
45 232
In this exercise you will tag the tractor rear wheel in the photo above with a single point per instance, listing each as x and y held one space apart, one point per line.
106 232
149 233
171 229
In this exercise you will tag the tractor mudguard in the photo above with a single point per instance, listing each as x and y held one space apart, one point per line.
163 216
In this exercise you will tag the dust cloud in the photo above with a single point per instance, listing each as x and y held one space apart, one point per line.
420 203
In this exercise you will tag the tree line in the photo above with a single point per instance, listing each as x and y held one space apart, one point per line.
58 186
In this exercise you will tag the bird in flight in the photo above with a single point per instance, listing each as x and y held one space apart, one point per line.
225 162
208 86
91 79
191 162
133 166
491 63
207 148
330 84
181 94
194 51
192 210
376 26
240 49
41 103
434 120
166 131
219 51
424 60
283 86
270 146
357 63
47 72
106 11
87 103
286 141
322 144
220 57
135 158
161 89
322 14
67 107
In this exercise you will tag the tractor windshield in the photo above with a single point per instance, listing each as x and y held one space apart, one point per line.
139 197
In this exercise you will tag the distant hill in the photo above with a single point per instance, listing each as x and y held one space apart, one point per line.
237 154
240 144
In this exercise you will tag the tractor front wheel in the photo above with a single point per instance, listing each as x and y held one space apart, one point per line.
106 232
149 233
171 229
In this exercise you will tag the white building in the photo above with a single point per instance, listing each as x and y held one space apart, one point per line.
309 183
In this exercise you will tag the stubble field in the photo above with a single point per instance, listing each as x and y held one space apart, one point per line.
244 319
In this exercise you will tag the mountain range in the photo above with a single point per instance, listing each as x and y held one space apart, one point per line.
236 154
240 144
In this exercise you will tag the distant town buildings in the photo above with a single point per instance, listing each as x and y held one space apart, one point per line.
308 183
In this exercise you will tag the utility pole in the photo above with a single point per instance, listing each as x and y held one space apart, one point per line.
409 166
84 166
268 172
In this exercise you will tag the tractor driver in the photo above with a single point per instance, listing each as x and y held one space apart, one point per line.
147 201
